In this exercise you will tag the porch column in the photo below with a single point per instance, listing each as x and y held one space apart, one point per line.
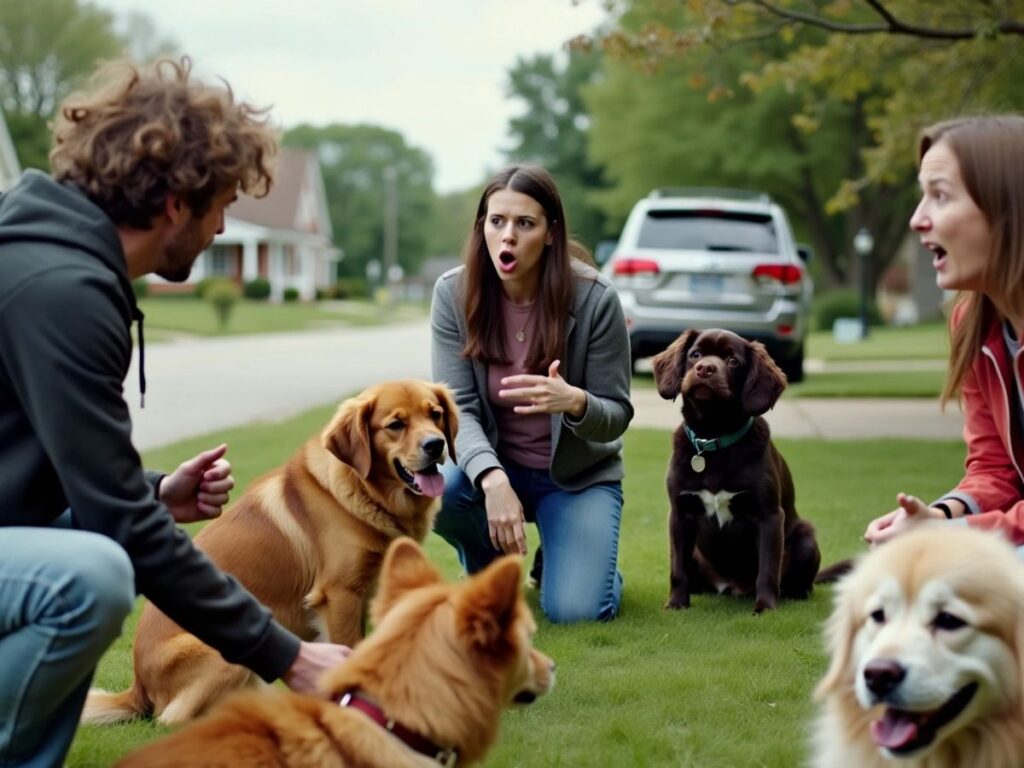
250 260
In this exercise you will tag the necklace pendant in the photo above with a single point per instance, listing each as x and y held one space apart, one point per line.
520 335
697 463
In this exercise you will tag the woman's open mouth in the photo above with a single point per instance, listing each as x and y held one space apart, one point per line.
938 256
506 261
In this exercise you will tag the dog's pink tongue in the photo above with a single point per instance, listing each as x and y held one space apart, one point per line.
895 729
431 484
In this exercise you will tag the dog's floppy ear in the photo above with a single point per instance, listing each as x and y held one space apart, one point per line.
487 607
839 635
405 567
670 365
451 416
348 435
765 381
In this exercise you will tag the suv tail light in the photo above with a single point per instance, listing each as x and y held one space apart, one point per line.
787 274
635 267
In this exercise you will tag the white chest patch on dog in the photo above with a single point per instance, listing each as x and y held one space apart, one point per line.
717 504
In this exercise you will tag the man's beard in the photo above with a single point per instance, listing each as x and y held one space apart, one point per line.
180 255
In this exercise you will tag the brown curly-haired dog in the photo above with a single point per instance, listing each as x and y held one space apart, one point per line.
733 523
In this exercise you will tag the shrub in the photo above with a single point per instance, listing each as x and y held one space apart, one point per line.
290 294
204 284
141 288
222 294
258 289
351 288
844 303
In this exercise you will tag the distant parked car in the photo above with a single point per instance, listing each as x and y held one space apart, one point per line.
713 258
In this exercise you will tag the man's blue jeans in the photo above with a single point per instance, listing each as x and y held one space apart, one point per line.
64 595
579 531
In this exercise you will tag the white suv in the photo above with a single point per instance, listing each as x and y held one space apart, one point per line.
713 258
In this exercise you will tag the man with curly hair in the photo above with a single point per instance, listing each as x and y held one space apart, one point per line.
144 163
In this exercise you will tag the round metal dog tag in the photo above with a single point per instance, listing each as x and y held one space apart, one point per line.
697 463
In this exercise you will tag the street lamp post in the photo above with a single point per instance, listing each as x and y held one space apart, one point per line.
863 244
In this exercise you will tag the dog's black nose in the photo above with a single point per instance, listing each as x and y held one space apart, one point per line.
432 447
705 369
882 676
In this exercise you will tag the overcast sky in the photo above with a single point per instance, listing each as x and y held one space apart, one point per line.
435 70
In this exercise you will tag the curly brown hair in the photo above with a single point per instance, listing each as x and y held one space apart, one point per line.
138 134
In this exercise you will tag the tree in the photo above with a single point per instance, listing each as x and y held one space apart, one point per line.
453 214
552 131
353 160
46 47
144 40
892 66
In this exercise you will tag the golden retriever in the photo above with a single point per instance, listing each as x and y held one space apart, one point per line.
927 643
307 539
427 687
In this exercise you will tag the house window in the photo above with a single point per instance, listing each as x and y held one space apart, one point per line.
219 261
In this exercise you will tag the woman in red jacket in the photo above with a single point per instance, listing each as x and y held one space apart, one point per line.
971 217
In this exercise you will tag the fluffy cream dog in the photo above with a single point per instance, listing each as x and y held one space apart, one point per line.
927 643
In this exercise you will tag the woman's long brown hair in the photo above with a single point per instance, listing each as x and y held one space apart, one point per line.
990 152
485 330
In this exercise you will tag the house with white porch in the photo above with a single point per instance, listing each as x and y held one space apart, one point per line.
284 237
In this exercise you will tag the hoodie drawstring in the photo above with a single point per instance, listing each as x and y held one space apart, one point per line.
139 318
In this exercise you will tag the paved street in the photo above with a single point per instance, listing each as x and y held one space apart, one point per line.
204 385
201 385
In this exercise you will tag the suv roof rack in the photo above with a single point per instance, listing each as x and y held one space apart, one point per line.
725 193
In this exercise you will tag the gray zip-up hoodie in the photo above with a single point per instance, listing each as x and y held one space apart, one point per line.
597 361
66 308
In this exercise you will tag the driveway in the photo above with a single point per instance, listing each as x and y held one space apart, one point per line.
198 386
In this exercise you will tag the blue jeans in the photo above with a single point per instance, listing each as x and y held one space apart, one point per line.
64 595
579 531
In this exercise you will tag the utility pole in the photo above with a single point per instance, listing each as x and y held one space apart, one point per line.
390 255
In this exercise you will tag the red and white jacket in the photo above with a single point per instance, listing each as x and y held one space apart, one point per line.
993 486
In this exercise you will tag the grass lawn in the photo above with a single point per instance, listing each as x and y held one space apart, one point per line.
916 342
191 315
713 686
887 346
926 384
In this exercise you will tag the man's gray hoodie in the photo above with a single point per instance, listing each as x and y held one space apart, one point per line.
66 308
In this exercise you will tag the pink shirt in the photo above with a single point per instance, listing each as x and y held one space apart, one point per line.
524 438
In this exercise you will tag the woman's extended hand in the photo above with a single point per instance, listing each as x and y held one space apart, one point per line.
911 512
544 394
505 522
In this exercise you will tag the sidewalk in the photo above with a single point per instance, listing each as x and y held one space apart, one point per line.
826 417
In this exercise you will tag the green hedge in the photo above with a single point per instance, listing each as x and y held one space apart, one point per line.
846 303
257 289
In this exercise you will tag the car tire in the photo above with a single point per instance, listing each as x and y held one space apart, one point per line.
793 367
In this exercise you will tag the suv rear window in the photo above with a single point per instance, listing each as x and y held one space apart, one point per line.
709 231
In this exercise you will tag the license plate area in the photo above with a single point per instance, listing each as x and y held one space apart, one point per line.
706 284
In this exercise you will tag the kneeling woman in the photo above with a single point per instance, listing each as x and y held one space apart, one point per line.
533 342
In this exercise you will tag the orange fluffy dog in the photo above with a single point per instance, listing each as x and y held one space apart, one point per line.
307 540
927 646
429 684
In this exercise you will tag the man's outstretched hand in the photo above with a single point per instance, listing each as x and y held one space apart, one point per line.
199 488
313 660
